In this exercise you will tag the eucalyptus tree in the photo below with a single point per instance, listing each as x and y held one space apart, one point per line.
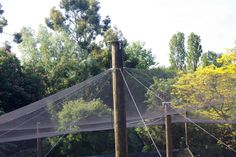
82 21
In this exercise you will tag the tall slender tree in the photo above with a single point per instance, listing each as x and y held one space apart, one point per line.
194 51
177 51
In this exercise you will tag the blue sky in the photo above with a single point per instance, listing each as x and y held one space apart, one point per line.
150 21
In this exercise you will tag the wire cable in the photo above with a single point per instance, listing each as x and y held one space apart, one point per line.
203 129
186 108
143 85
103 85
134 102
54 145
185 116
98 77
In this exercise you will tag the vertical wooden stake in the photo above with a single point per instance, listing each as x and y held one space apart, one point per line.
121 147
186 131
168 131
39 142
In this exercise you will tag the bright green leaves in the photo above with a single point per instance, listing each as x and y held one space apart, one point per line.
73 111
210 86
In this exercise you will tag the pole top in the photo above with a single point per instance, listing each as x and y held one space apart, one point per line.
113 41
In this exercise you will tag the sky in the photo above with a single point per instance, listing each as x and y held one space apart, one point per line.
150 21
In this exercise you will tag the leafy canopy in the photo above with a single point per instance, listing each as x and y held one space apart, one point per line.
81 20
210 86
73 111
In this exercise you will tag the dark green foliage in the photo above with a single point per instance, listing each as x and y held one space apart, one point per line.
6 147
17 38
17 87
138 57
162 88
84 144
12 94
25 153
3 21
92 143
209 58
194 51
158 133
177 51
106 24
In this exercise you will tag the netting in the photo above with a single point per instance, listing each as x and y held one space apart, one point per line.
45 118
88 107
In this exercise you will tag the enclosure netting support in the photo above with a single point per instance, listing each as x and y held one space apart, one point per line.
21 124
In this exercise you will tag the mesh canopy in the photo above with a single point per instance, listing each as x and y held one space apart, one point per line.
42 118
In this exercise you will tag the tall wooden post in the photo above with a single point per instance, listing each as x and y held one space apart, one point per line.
39 142
121 147
186 131
168 131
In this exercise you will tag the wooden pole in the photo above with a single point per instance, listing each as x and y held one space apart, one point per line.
168 131
186 131
39 142
121 147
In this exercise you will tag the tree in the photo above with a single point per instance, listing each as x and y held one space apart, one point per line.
54 57
3 21
138 57
209 58
213 89
80 18
135 55
177 51
17 87
28 48
194 51
209 86
162 79
71 113
114 34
